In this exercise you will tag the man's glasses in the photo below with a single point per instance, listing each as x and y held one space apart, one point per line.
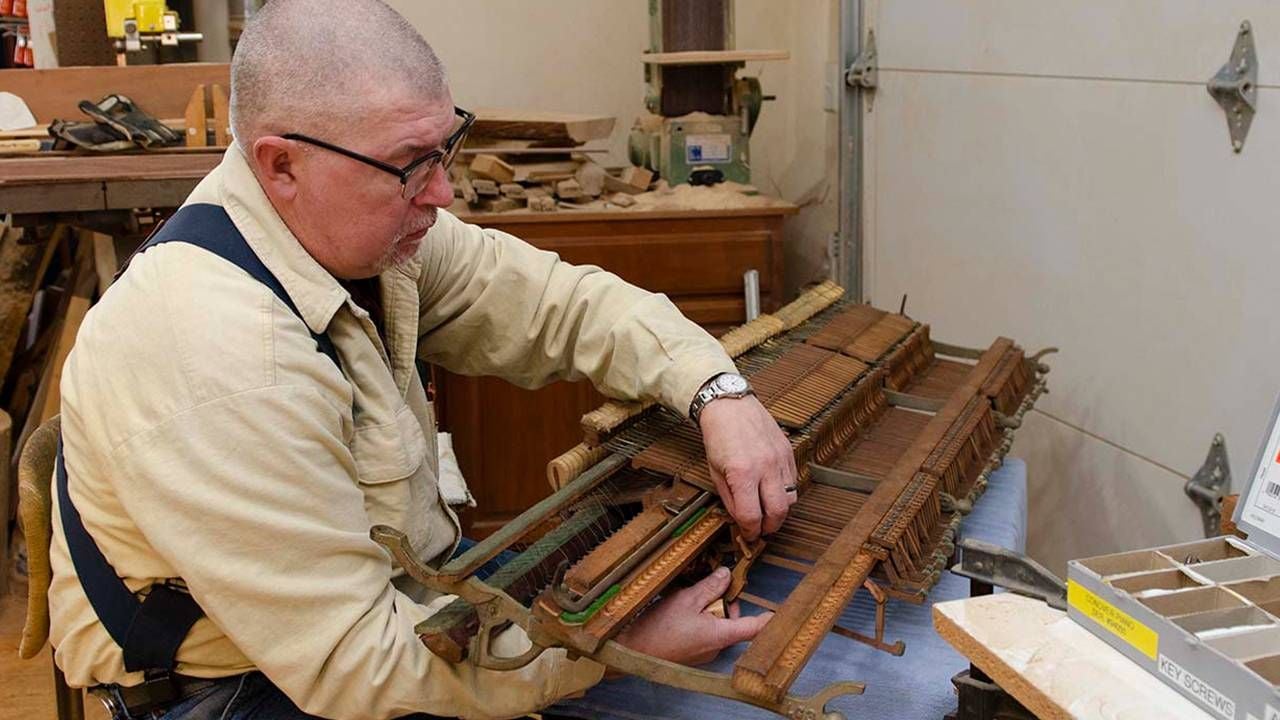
416 176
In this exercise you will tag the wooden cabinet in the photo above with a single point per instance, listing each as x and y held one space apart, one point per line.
503 435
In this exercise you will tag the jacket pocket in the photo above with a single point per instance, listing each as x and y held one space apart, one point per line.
389 461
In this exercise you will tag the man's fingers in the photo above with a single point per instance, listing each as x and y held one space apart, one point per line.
741 629
709 588
792 474
748 518
776 500
724 490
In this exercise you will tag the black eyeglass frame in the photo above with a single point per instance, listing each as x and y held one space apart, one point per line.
446 153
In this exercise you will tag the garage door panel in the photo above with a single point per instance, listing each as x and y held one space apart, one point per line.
1072 476
1110 219
1163 40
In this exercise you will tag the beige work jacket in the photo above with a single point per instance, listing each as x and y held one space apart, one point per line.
207 439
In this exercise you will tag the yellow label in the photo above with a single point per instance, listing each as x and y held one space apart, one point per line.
1113 618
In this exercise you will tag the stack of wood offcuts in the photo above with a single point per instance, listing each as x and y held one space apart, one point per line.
540 162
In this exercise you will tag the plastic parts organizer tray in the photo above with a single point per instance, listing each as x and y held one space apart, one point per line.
1202 616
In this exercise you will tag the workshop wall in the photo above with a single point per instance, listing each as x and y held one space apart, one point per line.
584 56
1058 174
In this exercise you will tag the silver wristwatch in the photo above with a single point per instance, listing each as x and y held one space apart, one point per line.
724 385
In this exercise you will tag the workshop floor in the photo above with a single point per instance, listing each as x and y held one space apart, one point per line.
27 690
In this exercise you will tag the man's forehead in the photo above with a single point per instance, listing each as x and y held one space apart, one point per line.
400 118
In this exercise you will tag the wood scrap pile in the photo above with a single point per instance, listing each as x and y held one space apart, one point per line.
516 160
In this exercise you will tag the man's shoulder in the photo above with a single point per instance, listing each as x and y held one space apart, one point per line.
180 327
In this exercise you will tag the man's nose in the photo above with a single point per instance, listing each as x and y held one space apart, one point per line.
437 193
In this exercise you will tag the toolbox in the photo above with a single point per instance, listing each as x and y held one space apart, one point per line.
1202 616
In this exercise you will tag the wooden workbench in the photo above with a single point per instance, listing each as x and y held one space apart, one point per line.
84 183
1051 665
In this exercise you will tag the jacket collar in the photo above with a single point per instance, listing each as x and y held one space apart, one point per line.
317 294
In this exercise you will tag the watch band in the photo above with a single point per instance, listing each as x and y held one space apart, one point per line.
724 385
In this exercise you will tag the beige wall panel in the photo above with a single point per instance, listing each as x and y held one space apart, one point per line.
1108 218
1089 498
1146 252
1166 40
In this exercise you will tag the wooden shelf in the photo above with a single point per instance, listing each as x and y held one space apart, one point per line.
713 57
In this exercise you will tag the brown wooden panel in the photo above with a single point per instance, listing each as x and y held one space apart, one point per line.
149 193
65 197
161 90
98 168
677 264
713 310
504 436
673 263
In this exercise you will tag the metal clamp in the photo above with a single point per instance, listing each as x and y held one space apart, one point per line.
1207 488
994 565
1235 86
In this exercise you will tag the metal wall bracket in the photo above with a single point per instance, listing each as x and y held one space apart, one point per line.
1235 87
863 74
1210 484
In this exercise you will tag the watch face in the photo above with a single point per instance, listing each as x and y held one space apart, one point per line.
730 382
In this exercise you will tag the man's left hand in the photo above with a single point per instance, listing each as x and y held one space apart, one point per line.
751 463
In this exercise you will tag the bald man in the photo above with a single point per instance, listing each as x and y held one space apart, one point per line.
243 405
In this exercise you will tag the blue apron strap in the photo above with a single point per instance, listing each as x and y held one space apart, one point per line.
150 631
209 227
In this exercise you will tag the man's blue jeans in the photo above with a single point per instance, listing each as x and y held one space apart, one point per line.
253 697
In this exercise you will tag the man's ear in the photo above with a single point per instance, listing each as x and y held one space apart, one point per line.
277 162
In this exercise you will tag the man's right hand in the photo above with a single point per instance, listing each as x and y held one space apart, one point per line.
677 629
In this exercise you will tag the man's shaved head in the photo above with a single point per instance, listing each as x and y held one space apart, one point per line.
313 66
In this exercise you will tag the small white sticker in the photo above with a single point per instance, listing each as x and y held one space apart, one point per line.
1198 688
708 148
1263 508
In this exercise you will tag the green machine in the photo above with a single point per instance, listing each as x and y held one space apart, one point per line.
701 114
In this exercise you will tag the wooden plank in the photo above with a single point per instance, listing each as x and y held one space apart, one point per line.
41 131
221 115
498 150
21 268
8 494
84 280
105 263
534 171
493 168
1054 667
713 57
161 90
778 208
197 128
80 168
74 306
67 197
28 145
127 194
567 128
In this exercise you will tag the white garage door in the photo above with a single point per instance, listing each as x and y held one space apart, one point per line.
1057 172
